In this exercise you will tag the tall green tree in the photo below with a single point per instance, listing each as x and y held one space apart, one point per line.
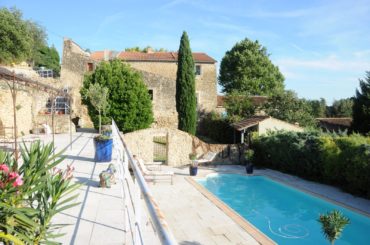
288 107
361 106
25 40
340 108
186 103
238 106
318 107
247 68
129 101
47 57
15 38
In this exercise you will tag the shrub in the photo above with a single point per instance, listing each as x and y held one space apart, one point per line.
32 195
129 100
340 160
216 128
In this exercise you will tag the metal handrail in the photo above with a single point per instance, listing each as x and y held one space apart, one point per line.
165 235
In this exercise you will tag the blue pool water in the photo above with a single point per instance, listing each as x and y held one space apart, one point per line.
285 214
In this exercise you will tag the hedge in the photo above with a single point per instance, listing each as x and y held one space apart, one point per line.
343 161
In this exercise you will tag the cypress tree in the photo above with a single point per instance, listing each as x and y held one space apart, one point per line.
361 106
185 88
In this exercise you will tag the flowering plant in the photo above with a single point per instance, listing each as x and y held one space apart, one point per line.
8 179
32 194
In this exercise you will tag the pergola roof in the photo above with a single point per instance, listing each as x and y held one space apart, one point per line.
249 122
20 79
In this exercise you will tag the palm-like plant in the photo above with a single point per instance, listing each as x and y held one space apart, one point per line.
332 225
26 211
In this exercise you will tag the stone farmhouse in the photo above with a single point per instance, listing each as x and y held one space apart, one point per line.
159 73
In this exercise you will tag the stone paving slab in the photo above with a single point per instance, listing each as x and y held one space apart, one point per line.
99 217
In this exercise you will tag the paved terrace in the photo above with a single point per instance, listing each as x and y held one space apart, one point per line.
99 217
192 217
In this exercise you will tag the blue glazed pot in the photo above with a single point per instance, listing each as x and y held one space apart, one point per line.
107 133
103 150
193 171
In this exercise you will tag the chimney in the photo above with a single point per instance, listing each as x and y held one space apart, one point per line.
149 50
106 55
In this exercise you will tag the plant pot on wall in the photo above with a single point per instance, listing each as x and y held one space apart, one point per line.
249 168
103 148
193 170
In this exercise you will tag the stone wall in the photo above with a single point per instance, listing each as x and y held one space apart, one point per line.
164 90
158 76
179 146
74 65
32 103
206 82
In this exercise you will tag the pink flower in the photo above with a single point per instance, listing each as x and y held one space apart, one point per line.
4 167
13 175
18 181
2 185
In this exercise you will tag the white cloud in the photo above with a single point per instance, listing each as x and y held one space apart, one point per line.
330 63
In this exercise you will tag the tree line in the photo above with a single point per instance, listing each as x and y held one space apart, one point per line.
246 70
25 40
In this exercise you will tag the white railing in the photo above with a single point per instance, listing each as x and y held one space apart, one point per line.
144 222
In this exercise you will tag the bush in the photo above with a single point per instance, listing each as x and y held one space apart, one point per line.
129 101
32 195
343 161
216 128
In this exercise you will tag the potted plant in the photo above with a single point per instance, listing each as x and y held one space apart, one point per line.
107 130
249 165
98 97
193 168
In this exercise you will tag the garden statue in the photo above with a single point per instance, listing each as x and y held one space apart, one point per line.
107 177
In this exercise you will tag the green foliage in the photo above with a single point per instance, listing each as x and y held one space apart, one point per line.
340 108
47 57
318 107
361 106
24 40
343 161
217 128
186 103
288 107
332 225
98 97
26 209
248 69
129 101
144 50
15 39
238 106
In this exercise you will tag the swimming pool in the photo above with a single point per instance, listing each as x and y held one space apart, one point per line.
285 214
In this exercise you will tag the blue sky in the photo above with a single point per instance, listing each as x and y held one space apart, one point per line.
321 47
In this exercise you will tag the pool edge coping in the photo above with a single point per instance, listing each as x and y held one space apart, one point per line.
318 195
258 235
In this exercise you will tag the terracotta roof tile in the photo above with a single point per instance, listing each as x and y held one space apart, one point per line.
340 121
156 56
249 122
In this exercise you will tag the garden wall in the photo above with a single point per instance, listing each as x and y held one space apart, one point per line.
179 146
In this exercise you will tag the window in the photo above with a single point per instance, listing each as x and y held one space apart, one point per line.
90 66
198 70
61 105
150 92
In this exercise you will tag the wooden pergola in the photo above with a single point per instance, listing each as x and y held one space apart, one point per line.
15 81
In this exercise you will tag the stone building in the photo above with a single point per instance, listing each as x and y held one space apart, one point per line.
33 104
159 74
